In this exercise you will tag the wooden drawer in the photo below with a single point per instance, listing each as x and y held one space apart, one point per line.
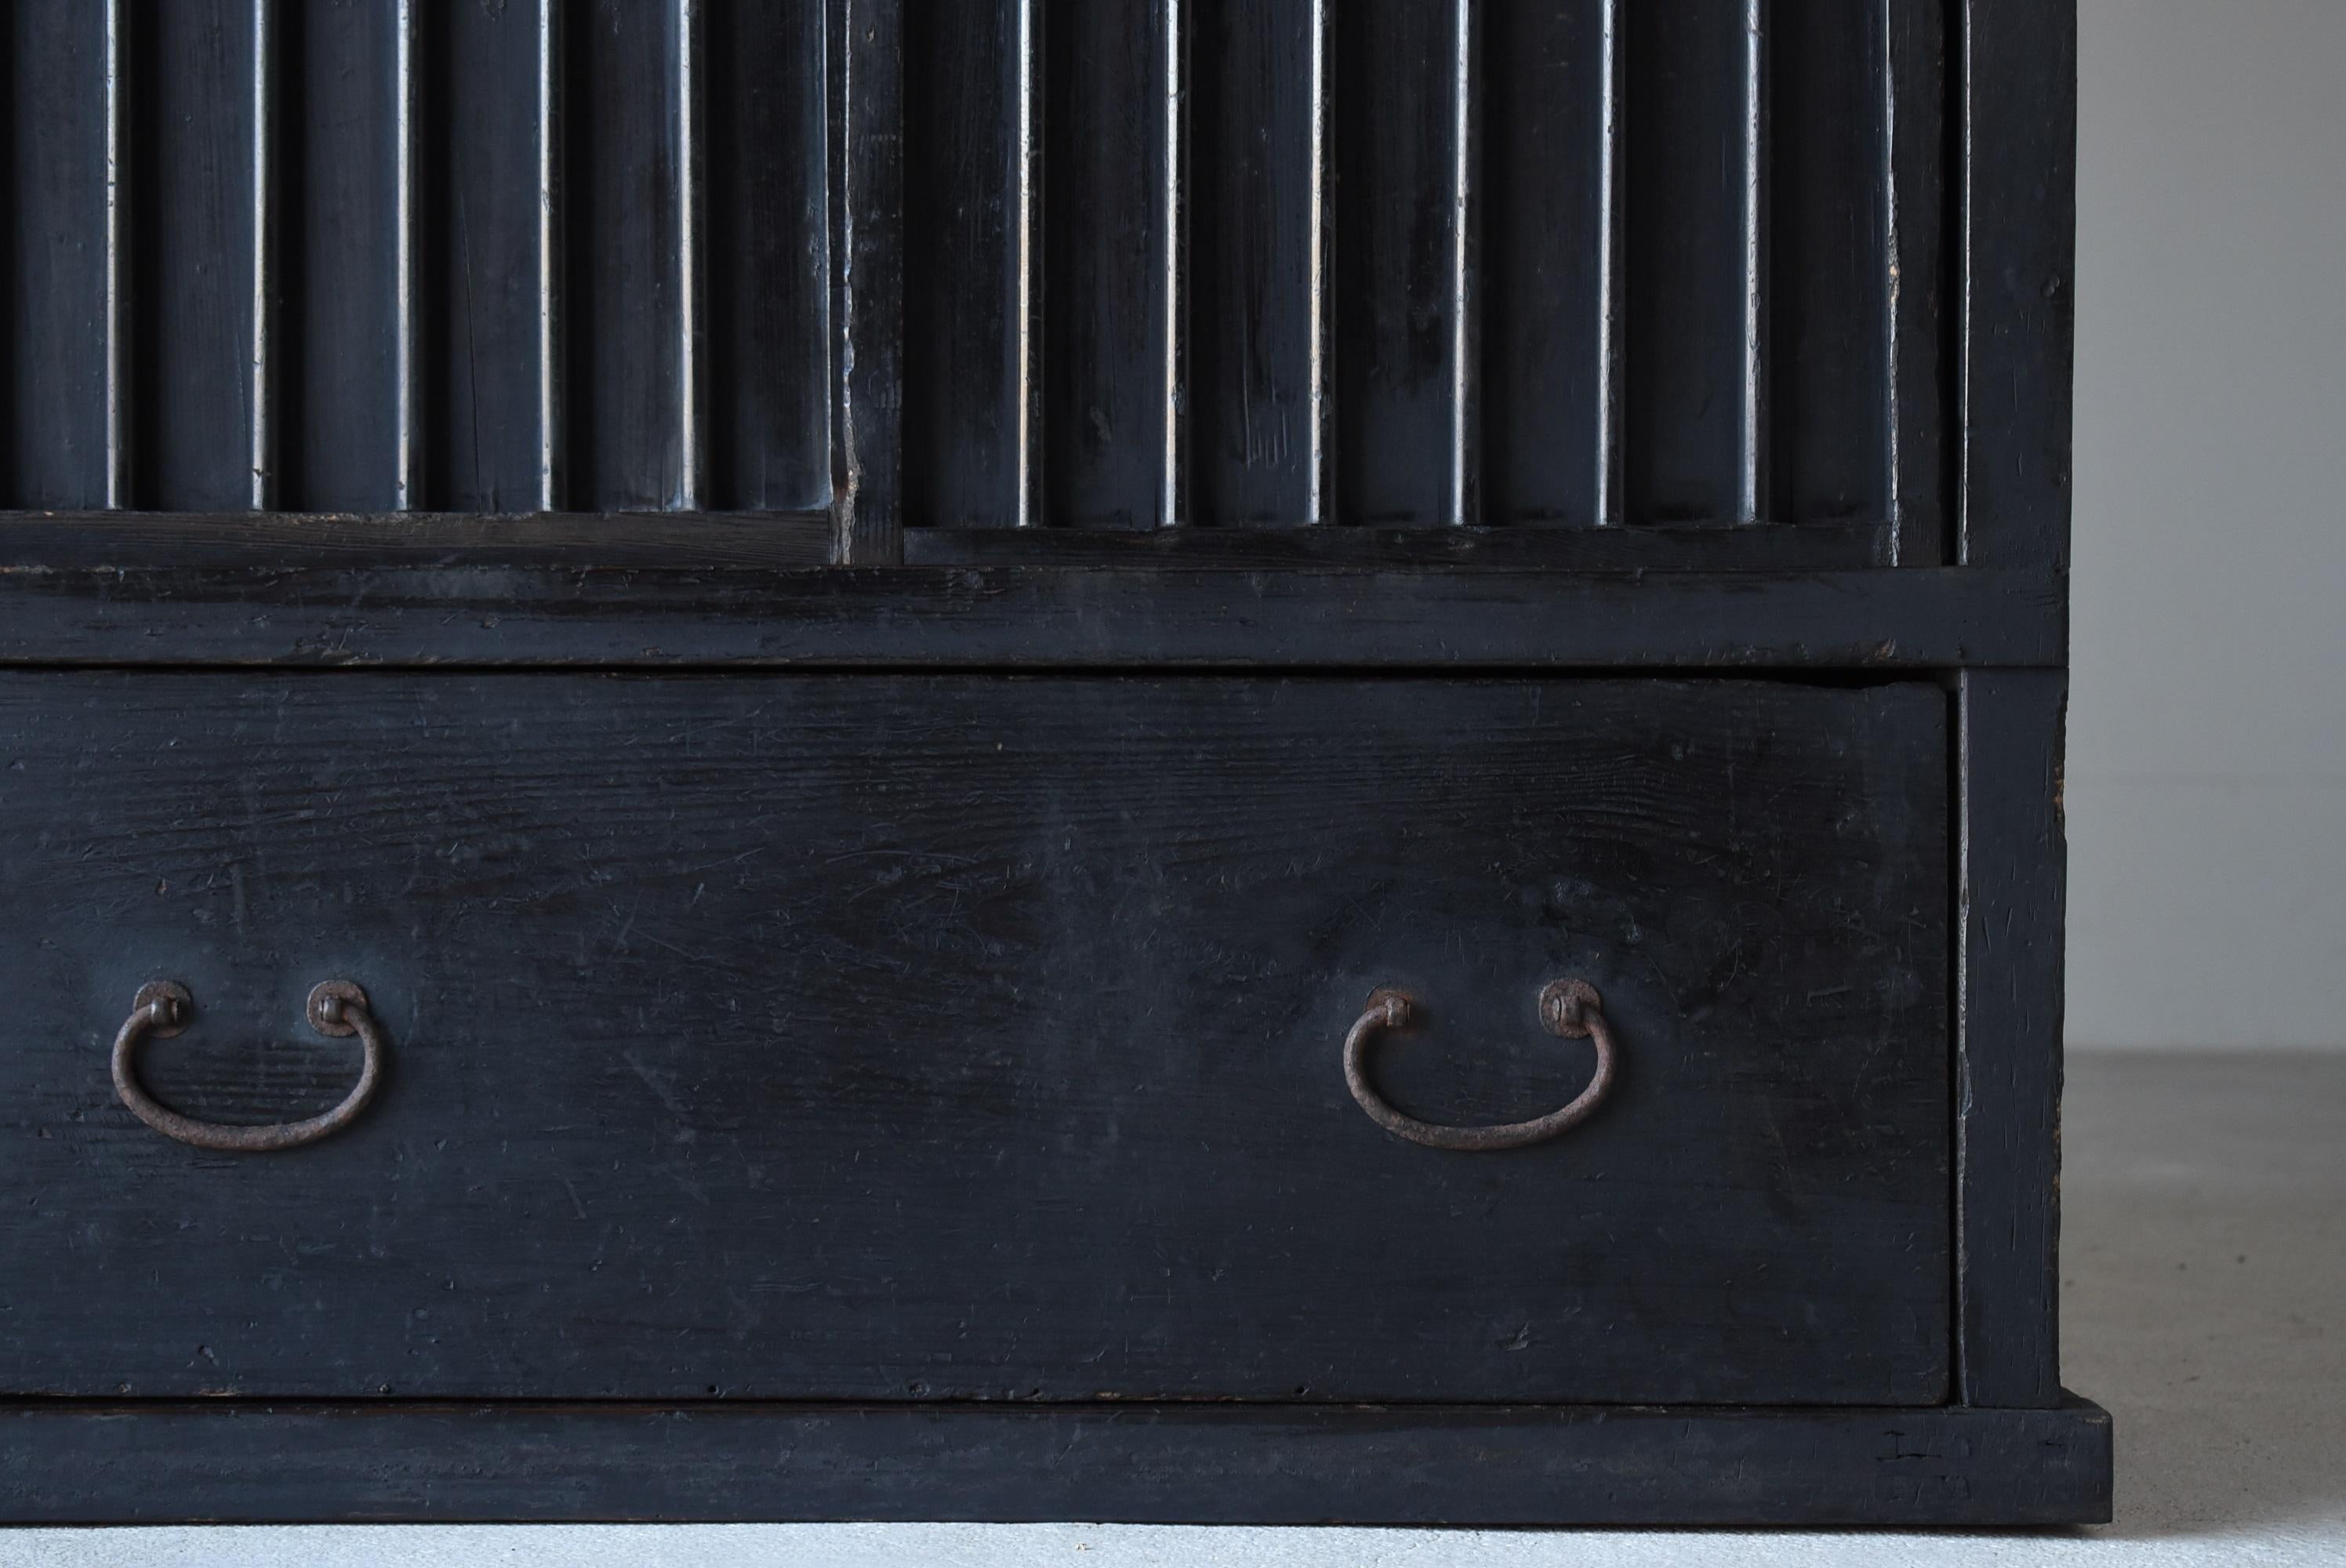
978 1037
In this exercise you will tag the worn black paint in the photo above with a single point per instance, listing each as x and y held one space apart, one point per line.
479 213
977 1038
52 262
1081 407
1909 343
1191 1464
307 607
2012 890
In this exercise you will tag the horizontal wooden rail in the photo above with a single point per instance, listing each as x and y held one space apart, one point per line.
278 610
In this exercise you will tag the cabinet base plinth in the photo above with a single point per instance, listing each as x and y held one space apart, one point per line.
259 1462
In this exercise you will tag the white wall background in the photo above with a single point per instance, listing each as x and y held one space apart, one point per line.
2206 784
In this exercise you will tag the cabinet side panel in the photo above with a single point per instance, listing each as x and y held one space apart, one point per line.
2012 892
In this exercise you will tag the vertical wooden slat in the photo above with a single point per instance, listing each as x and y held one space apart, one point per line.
1611 279
692 482
867 55
967 254
1913 88
1173 505
1320 503
1915 298
1752 470
1691 346
2012 898
1395 346
1026 241
407 434
191 143
1111 317
1464 381
770 192
263 383
550 379
119 277
1827 313
1247 232
341 267
1543 237
623 232
2020 212
480 218
53 224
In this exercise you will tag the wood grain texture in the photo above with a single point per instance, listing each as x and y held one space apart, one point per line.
338 246
963 366
1923 278
1103 392
1250 224
272 611
1684 402
766 206
52 255
1508 547
190 136
974 1037
868 237
623 306
1542 229
1169 1464
1393 162
2012 883
478 201
1828 269
1039 341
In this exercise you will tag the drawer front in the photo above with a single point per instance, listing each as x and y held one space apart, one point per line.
880 1037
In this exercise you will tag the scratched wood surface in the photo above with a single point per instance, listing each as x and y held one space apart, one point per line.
898 1037
1116 266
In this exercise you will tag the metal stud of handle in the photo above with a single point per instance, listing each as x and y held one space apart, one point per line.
1570 1008
162 1009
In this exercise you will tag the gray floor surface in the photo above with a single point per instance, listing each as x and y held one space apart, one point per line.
2205 1300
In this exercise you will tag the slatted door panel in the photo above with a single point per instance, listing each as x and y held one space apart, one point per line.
1549 263
407 255
1668 271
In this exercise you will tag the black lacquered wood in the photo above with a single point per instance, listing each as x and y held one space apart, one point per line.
1687 405
52 260
2013 885
623 305
766 212
478 206
247 605
189 132
339 307
1104 397
968 372
669 961
1547 348
1192 1463
1394 163
1231 263
1717 341
1828 274
1254 326
2019 305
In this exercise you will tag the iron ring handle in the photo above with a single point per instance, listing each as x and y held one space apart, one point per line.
1568 1007
336 1007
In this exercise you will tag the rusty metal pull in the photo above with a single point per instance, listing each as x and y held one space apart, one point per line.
1568 1007
336 1007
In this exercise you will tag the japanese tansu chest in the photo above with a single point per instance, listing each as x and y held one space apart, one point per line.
1256 761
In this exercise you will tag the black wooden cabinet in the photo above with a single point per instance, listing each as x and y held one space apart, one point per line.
867 628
